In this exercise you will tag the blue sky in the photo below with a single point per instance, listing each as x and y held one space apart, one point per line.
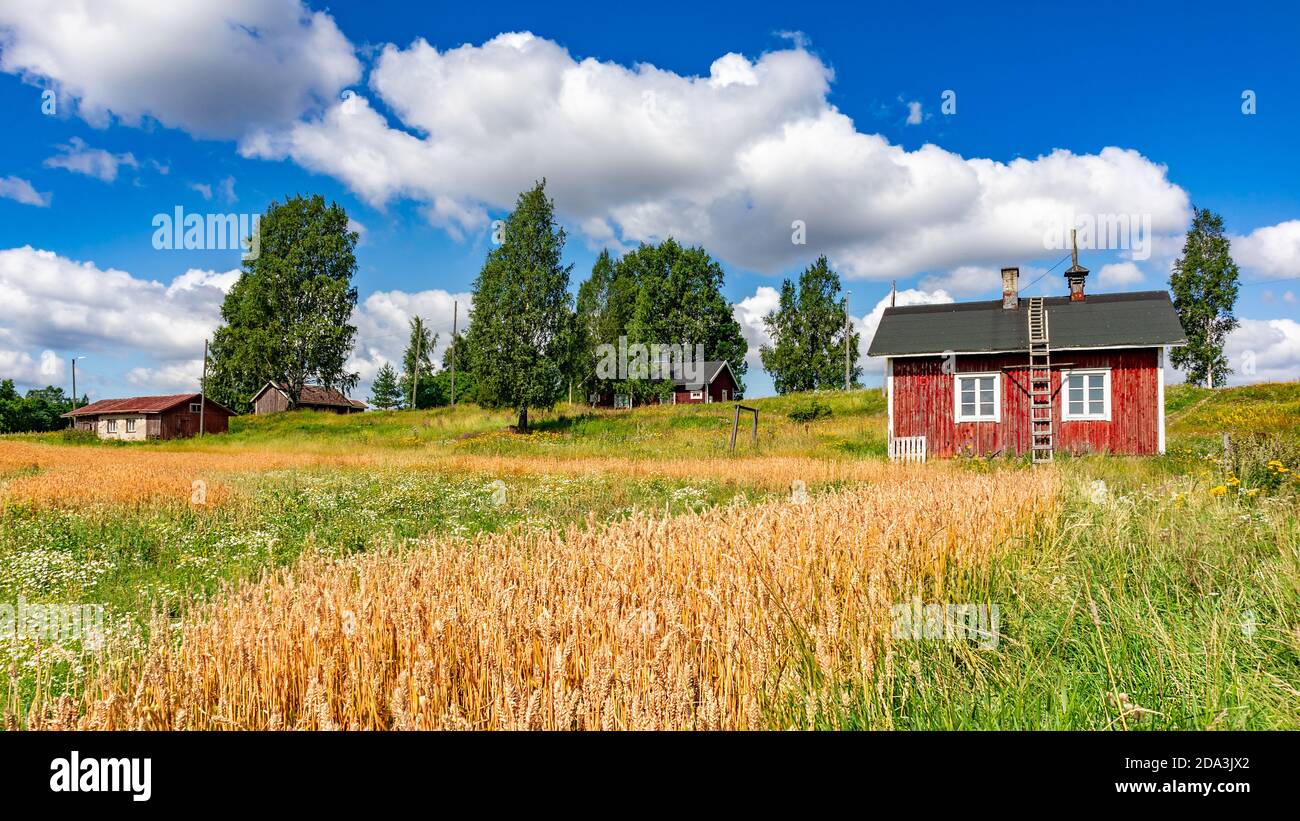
720 124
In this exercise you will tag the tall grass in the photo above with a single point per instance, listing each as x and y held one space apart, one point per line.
716 620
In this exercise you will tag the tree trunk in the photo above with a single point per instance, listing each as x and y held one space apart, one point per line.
522 427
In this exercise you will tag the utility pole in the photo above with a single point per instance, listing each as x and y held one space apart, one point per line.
455 314
847 335
203 392
73 422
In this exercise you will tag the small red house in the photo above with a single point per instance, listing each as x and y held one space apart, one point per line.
151 417
717 383
1039 375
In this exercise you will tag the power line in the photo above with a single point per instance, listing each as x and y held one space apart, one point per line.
1048 271
1269 281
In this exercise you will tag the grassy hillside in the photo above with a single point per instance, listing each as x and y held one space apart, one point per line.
1272 407
1133 592
855 427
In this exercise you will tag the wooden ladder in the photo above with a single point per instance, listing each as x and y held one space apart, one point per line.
1040 382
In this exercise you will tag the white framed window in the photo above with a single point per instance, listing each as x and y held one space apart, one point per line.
112 426
195 407
1085 394
724 394
130 426
622 400
977 397
697 394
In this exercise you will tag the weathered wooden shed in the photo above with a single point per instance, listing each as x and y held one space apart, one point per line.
273 398
1039 375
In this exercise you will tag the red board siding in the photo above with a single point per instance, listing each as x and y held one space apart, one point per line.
923 404
180 423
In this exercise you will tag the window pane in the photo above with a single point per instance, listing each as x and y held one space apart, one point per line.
968 408
1097 407
986 409
1095 380
1076 408
986 383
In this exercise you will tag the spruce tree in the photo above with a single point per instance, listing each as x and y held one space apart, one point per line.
386 393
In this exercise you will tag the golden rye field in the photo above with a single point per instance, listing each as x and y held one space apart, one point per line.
694 622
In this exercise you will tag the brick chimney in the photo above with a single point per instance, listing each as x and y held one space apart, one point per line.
1010 288
1076 273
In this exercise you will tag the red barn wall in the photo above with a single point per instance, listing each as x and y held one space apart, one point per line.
723 389
923 404
179 422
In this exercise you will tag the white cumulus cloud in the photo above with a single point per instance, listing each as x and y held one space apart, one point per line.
48 368
749 312
1272 252
382 321
1119 275
1264 350
728 160
52 302
211 68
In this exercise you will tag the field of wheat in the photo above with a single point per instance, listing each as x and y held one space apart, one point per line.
49 475
67 476
743 616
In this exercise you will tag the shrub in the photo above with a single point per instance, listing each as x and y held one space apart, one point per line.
809 411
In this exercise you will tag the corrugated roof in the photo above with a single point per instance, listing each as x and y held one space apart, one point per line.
137 404
1138 319
316 396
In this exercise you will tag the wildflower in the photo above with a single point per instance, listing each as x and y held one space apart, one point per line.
1218 491
1233 481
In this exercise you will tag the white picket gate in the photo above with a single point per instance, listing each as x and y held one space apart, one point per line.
907 448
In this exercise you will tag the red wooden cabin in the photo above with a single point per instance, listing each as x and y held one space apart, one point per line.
717 383
140 418
1040 375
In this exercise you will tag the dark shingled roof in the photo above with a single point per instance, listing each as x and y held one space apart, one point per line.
314 396
710 373
1139 319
